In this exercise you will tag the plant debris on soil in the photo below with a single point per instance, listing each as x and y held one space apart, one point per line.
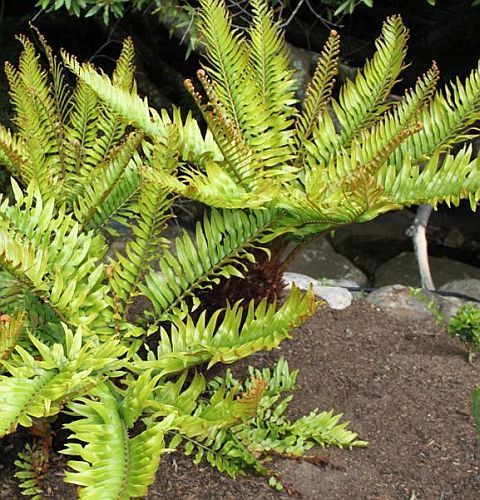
405 386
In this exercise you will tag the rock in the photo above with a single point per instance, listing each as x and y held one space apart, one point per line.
343 283
118 243
403 269
399 300
470 287
318 259
376 241
335 296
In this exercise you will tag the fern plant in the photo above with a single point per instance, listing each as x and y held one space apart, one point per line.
313 166
270 169
72 338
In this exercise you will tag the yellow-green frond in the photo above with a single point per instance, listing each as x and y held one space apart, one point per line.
445 178
238 334
319 89
363 100
270 61
222 241
449 120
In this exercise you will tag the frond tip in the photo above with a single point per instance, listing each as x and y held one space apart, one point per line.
125 465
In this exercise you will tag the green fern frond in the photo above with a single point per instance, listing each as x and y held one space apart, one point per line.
31 466
222 241
443 179
271 63
449 120
324 429
89 205
82 131
38 137
42 385
402 116
125 465
196 417
238 334
274 79
204 425
270 432
231 82
110 124
362 101
151 214
214 187
120 100
238 156
227 59
124 73
61 97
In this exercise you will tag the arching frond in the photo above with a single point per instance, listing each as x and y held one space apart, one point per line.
449 120
119 99
151 213
448 178
402 116
238 334
89 205
362 101
222 241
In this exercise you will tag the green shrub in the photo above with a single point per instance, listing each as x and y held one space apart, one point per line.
465 325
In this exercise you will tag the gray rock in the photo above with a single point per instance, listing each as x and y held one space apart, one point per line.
343 283
403 269
318 259
336 297
118 243
375 241
399 300
470 287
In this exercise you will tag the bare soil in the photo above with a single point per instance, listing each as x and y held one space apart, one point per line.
405 386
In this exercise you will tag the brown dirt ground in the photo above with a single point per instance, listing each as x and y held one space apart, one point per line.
405 386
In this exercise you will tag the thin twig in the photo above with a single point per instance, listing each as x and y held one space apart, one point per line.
293 14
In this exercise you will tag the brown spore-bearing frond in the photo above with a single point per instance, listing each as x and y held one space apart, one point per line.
229 139
383 154
17 164
249 402
10 330
318 93
188 84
